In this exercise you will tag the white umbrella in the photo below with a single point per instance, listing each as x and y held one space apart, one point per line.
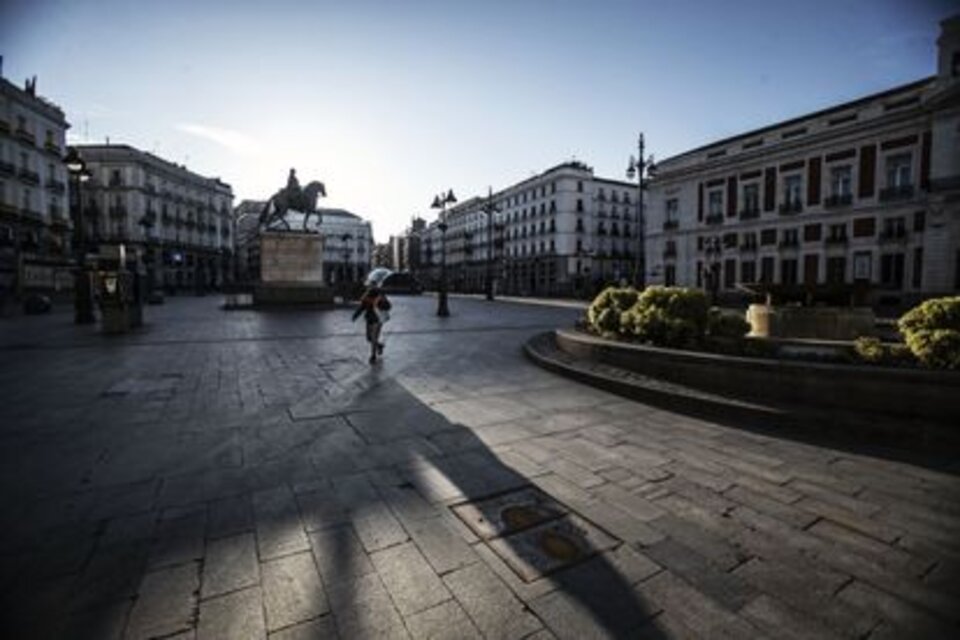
376 277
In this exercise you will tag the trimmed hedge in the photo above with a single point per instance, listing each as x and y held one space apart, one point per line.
662 316
932 332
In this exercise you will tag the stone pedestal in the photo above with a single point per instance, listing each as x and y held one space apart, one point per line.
818 323
291 270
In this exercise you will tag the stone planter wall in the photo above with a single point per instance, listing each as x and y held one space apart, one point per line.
933 395
820 323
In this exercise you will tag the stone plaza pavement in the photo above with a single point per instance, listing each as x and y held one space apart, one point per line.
249 475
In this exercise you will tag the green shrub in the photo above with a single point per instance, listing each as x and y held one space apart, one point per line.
668 317
603 315
722 324
869 349
932 332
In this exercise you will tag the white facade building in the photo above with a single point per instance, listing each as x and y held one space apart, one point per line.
561 232
180 222
858 201
35 249
348 241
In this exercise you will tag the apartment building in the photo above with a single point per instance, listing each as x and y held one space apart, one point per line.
857 201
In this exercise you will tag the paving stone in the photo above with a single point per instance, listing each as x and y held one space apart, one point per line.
910 620
632 565
320 629
489 603
884 553
444 621
130 528
411 582
443 548
716 549
279 529
780 621
636 506
692 611
113 573
320 510
727 589
363 609
230 516
166 602
237 616
292 591
376 526
835 497
619 523
339 555
230 564
792 515
407 505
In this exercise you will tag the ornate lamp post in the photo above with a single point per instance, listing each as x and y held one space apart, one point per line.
440 202
82 295
490 208
643 168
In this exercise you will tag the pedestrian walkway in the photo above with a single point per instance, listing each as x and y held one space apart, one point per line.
249 475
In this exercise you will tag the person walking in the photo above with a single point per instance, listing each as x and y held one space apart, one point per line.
375 309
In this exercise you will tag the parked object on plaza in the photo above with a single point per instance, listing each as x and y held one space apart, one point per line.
36 304
375 309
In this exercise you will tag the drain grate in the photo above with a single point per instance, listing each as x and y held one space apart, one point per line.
532 533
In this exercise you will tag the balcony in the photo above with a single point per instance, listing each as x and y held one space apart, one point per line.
149 188
789 243
899 192
7 168
9 210
790 207
838 200
601 231
749 214
26 136
54 148
31 215
56 186
893 236
835 241
671 225
30 177
714 219
579 228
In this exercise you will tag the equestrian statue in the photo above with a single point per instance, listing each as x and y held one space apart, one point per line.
292 198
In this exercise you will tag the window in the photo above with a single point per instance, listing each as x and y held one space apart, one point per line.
748 271
768 236
811 233
716 203
670 275
788 271
891 270
729 274
579 186
919 221
836 270
579 205
894 228
579 245
811 268
601 196
792 188
553 187
751 198
837 232
862 265
790 238
730 241
917 267
671 210
899 170
864 227
749 241
840 181
766 269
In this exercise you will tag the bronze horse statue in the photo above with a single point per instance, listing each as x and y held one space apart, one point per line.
292 198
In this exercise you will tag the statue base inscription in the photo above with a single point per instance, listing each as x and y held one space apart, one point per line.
291 270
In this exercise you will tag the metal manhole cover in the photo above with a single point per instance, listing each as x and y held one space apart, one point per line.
508 513
532 533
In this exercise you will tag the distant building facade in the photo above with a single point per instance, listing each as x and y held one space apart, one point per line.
564 231
35 250
862 198
180 222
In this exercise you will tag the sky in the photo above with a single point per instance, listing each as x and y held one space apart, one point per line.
391 102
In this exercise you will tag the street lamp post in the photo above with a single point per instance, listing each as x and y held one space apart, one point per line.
490 208
82 295
440 202
643 168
